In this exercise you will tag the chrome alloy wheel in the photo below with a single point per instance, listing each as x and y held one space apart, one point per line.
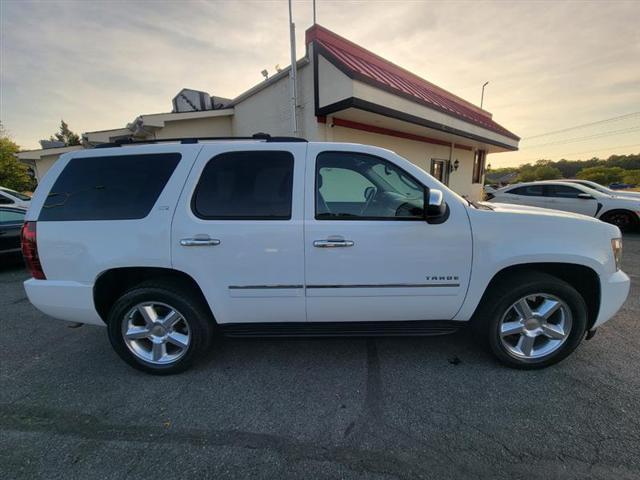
535 326
156 333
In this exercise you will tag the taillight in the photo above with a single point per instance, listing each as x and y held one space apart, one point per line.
30 250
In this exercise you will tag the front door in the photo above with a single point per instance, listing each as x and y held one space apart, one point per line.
369 254
565 198
238 231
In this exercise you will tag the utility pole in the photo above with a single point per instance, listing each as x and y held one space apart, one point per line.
482 97
314 12
293 74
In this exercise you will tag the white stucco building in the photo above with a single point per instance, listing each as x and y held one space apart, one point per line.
345 93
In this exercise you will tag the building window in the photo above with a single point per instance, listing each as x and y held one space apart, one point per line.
478 166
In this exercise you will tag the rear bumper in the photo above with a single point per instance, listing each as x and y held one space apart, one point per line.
613 293
63 300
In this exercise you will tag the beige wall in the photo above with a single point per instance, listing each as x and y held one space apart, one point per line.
200 127
418 153
266 111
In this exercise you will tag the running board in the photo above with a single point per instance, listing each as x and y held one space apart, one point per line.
422 328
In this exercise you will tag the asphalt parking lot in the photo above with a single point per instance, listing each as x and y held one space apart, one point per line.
437 407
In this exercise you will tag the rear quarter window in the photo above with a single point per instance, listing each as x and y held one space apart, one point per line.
122 187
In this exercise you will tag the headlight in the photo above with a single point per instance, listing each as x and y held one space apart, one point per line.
616 245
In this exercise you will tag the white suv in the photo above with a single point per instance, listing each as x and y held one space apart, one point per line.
167 244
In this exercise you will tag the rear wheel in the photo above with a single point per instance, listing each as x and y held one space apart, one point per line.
532 320
159 328
623 219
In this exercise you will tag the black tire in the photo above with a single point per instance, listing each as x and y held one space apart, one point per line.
625 220
505 292
191 308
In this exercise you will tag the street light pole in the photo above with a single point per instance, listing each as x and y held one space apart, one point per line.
482 97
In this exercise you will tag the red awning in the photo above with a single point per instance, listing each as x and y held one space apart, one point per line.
363 65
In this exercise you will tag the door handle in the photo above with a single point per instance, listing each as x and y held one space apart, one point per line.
333 243
199 242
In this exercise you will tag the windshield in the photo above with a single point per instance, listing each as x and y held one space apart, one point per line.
13 193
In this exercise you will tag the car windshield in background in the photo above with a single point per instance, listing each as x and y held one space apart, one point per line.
19 195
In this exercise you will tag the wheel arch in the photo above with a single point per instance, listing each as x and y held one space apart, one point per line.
111 284
581 277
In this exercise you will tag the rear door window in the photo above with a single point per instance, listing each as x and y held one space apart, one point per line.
122 187
252 185
11 216
528 191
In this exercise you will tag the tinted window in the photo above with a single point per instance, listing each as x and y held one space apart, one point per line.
5 201
109 188
246 185
563 191
528 191
11 216
352 186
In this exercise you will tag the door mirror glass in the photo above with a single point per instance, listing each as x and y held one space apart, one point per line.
436 210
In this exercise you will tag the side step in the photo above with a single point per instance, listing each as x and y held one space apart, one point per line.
342 329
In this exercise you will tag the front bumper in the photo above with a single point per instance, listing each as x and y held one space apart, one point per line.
614 290
63 300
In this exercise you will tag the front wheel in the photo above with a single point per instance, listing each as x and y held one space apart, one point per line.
625 220
159 328
532 320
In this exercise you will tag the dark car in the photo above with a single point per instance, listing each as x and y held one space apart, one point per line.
11 220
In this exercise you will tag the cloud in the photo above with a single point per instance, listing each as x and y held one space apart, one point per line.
550 65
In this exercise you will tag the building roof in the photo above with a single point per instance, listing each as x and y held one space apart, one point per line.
363 65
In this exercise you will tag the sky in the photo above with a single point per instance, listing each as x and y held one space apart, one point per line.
551 65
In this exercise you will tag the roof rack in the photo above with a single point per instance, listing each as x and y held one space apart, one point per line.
265 137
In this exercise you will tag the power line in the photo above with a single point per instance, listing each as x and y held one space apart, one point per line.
599 122
603 149
584 138
587 151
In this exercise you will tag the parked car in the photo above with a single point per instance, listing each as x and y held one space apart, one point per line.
620 186
169 243
572 197
13 198
11 220
602 189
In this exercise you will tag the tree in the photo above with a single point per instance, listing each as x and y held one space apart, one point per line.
542 170
66 135
547 172
632 177
13 173
602 175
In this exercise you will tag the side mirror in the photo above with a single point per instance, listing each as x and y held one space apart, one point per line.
585 196
435 209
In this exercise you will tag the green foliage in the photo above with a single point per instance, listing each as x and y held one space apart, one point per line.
632 177
542 170
13 174
602 175
66 135
613 169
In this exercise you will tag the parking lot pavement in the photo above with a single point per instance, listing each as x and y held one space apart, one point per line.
437 407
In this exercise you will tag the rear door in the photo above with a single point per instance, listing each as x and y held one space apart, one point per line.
532 195
238 231
565 198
